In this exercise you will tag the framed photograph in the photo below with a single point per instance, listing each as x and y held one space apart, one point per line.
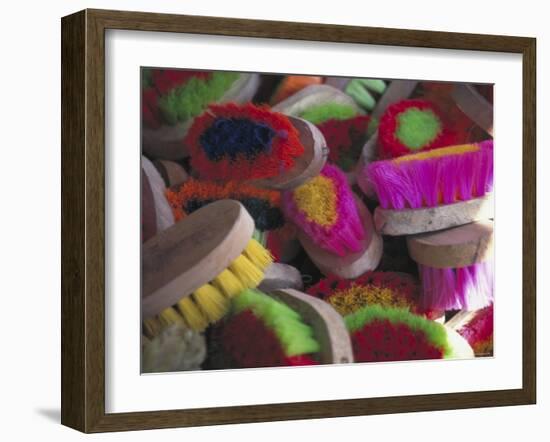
271 220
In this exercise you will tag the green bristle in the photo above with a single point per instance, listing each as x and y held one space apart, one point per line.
295 336
434 331
190 100
328 111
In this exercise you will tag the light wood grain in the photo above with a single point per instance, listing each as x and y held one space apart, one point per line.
281 276
172 173
328 326
456 247
429 219
164 214
192 252
474 105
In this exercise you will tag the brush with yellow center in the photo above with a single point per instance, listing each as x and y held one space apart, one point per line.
192 270
335 227
432 190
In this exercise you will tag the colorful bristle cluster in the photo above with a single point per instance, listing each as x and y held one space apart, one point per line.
320 113
468 288
232 142
365 91
392 334
264 332
210 302
171 96
387 289
324 208
479 332
410 126
428 179
262 205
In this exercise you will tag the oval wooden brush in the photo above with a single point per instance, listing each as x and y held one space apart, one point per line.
282 328
433 190
191 270
170 103
251 143
455 265
334 225
474 105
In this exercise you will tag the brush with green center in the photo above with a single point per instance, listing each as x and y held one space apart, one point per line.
284 328
172 98
191 270
382 334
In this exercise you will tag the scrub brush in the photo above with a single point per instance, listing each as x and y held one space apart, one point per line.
251 143
381 334
191 270
432 190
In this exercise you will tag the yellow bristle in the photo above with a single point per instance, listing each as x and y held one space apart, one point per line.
248 273
211 302
228 284
152 327
169 316
192 315
436 153
258 254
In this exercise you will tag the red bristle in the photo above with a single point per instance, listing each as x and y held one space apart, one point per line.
381 341
390 145
285 147
300 360
248 343
149 108
165 80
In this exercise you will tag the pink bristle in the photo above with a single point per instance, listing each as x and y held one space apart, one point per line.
346 234
468 288
432 181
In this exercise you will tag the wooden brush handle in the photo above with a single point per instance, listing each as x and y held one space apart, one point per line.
148 211
192 252
281 276
461 349
328 326
173 173
428 219
474 105
163 211
314 95
309 165
457 247
354 264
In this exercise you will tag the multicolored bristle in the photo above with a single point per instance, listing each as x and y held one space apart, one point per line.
264 332
428 179
468 288
172 96
411 126
264 206
387 289
324 208
242 142
381 334
210 302
479 332
291 84
323 112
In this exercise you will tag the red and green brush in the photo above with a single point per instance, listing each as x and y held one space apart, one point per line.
261 331
383 334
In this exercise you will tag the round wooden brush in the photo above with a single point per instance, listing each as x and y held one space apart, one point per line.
456 266
251 143
191 270
433 190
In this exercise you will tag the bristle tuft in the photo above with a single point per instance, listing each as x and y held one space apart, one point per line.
169 316
192 315
259 255
228 284
247 272
212 303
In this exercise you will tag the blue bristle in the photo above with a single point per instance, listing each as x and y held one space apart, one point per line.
236 137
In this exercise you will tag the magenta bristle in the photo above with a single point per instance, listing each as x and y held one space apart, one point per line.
346 234
433 181
468 288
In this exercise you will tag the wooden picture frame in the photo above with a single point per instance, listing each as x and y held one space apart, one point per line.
83 220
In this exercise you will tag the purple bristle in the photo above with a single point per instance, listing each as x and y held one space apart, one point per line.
468 288
432 181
